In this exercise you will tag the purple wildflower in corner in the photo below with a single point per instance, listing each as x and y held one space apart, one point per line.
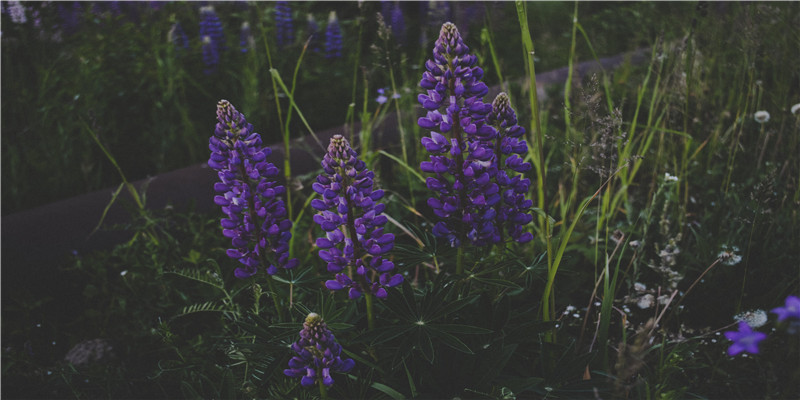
284 24
351 217
255 215
460 144
333 37
212 37
318 354
744 340
790 311
513 211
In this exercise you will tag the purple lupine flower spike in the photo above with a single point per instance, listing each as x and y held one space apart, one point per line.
333 37
351 218
255 215
178 37
318 354
212 37
460 144
513 211
284 24
314 33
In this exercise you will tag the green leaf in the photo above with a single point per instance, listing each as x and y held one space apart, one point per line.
451 341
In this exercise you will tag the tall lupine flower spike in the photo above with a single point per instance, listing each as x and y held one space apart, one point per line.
212 37
333 37
255 215
177 36
464 191
318 354
513 211
284 24
351 218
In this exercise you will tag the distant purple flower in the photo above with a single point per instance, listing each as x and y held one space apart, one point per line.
284 24
318 354
397 22
351 218
212 37
333 37
70 16
249 196
17 11
745 339
464 191
382 99
791 311
513 212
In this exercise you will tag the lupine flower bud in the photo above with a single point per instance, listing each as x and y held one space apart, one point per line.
255 215
464 189
351 218
318 354
17 11
333 37
513 211
283 23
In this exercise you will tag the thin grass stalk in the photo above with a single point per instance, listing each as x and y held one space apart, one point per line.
402 132
287 165
537 138
274 294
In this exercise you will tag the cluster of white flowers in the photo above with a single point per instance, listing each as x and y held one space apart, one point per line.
670 178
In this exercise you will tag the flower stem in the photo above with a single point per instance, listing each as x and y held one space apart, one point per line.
323 391
370 314
460 260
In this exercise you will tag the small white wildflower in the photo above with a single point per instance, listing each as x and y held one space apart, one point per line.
754 318
761 117
728 255
571 308
796 109
670 178
123 273
635 244
646 301
576 315
639 287
663 299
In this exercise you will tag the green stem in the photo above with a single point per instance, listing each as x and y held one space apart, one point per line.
323 391
370 313
460 260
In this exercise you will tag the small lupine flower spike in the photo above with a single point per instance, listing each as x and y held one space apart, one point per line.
744 340
212 37
255 215
284 24
318 354
351 218
333 37
464 189
513 211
